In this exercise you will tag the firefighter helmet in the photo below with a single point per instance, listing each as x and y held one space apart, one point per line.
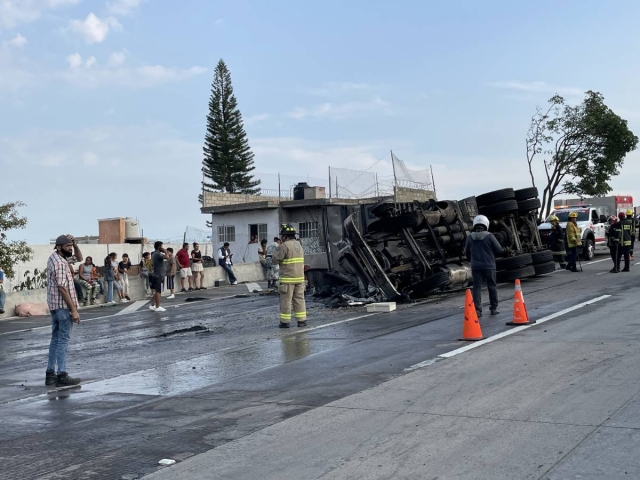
481 220
629 212
553 218
287 229
573 215
621 216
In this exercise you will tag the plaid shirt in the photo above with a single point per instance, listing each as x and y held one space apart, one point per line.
59 275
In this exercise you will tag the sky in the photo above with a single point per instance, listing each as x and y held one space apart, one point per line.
103 103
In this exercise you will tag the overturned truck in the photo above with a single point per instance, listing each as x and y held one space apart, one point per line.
409 250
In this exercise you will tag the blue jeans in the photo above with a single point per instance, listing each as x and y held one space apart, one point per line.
227 267
488 275
109 290
60 335
1 299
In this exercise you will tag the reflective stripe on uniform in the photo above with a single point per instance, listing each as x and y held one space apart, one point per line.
291 279
285 316
290 261
301 314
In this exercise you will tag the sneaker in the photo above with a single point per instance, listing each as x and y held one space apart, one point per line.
123 300
284 325
171 296
183 290
203 288
93 301
127 297
479 313
152 307
51 378
160 309
66 380
234 283
85 303
190 289
495 312
302 324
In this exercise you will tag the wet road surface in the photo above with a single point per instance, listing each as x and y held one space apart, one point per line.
202 374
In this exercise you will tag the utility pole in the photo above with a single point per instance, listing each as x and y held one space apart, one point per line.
329 182
395 179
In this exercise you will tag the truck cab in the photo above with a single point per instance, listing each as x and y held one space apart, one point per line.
592 224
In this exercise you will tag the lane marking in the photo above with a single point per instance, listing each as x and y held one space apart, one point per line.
135 306
336 323
471 346
426 363
598 261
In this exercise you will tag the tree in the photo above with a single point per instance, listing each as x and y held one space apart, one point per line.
12 252
228 159
581 147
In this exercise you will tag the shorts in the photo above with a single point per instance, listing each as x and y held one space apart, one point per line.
118 284
197 267
170 279
156 283
185 272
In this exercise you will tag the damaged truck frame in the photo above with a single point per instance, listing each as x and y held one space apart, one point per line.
409 250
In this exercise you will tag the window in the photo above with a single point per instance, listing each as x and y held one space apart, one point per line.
563 216
257 232
227 233
308 229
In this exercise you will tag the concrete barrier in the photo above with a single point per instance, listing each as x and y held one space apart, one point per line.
245 272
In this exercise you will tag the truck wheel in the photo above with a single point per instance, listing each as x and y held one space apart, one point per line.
545 268
526 206
510 263
526 193
500 208
490 198
588 249
543 256
513 275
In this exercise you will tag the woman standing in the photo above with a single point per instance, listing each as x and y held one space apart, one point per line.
85 277
146 267
118 281
109 275
197 267
123 269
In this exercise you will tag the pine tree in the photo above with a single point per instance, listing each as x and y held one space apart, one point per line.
228 159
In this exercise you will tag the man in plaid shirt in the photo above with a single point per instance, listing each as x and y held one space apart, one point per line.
63 303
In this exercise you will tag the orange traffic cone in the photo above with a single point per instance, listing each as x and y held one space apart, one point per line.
471 330
520 315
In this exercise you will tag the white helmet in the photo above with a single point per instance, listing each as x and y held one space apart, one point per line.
481 220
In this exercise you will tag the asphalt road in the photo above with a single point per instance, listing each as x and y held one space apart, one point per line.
216 375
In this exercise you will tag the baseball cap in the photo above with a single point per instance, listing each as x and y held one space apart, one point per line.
63 240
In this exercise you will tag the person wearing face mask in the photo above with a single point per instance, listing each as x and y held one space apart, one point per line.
63 304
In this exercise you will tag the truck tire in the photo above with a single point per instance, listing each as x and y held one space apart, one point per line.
543 256
545 268
496 196
513 275
525 206
526 193
499 209
588 249
510 263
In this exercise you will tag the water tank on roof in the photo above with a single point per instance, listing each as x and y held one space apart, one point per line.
131 228
298 190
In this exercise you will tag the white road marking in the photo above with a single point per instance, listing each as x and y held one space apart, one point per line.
601 273
471 346
135 306
598 261
336 323
636 263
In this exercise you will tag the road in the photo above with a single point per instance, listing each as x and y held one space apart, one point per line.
215 385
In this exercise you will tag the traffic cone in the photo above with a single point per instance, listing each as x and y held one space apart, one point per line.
520 315
471 330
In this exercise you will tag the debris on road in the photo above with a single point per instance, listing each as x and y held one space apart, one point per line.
165 462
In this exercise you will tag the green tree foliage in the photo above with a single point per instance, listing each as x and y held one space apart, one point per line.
12 252
581 147
228 159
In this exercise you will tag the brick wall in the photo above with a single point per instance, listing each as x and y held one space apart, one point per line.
111 230
215 199
410 194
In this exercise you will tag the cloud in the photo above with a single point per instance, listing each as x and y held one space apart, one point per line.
538 87
90 159
343 110
75 61
17 12
123 7
94 30
260 117
117 58
340 88
135 77
18 41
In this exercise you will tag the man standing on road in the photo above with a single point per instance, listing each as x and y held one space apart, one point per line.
624 224
481 249
225 260
63 304
613 242
171 273
156 279
574 240
290 257
556 242
184 263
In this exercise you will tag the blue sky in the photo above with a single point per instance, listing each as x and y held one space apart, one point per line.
103 102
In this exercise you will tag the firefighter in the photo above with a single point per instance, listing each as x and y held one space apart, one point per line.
624 224
290 257
634 230
556 242
574 240
613 242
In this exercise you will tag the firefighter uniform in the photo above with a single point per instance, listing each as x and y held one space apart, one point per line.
557 242
290 257
574 240
634 230
613 242
624 224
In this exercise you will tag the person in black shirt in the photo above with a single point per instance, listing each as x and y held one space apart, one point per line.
123 269
197 267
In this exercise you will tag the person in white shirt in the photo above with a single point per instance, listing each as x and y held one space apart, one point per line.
225 261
